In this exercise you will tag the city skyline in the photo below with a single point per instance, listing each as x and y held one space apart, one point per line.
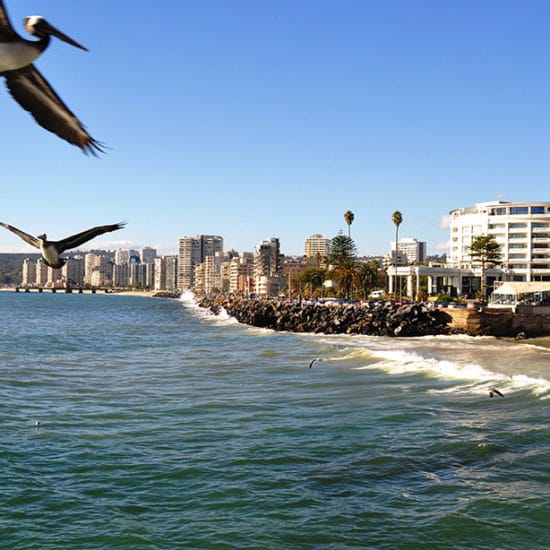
273 119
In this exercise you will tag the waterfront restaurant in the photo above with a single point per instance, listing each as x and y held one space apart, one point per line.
519 293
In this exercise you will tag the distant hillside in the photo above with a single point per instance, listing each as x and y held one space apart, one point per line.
11 267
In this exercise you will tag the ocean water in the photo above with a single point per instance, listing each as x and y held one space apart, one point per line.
135 422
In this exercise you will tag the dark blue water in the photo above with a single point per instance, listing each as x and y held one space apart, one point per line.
163 427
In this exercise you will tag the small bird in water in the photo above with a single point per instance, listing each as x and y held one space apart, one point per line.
30 89
52 249
315 360
493 392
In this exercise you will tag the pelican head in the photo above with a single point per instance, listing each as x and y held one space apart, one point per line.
42 237
39 27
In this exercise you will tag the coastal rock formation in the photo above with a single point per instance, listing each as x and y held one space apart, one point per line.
371 319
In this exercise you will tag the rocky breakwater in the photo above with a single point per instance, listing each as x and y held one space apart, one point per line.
371 319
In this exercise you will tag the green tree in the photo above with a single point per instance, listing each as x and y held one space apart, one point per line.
342 248
366 278
486 252
349 216
342 258
311 280
397 219
345 275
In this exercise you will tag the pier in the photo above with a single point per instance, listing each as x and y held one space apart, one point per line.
66 290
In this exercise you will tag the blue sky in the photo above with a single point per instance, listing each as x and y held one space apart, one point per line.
252 119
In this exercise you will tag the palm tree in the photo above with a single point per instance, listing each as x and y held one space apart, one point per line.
349 216
345 275
321 260
366 277
397 219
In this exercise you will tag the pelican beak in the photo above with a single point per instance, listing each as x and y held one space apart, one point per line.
38 26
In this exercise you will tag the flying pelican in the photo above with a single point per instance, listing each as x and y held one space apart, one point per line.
30 89
494 391
52 249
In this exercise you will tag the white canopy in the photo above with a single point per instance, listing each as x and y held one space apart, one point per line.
521 287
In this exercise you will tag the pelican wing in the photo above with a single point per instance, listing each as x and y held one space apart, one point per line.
33 241
7 34
85 236
33 92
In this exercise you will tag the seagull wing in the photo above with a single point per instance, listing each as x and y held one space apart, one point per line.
33 92
7 34
85 236
33 241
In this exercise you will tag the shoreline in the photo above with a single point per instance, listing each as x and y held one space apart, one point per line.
415 319
144 293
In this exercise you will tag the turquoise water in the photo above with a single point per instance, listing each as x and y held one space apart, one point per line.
161 426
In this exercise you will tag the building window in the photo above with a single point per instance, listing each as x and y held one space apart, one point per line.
538 225
519 210
517 245
537 209
517 225
516 256
517 236
498 211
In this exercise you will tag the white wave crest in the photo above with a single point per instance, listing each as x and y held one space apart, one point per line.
189 301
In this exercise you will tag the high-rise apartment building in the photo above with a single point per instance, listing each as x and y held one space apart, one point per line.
29 272
521 228
267 257
208 275
122 257
241 274
411 251
171 272
41 273
268 263
317 245
73 272
148 255
193 251
98 269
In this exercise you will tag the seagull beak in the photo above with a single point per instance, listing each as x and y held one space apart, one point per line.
41 27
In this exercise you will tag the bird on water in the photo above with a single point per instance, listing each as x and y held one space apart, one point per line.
30 89
494 391
313 361
51 250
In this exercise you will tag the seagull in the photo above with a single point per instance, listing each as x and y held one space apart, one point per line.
52 249
494 391
30 89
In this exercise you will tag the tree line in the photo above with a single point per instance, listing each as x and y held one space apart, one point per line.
352 279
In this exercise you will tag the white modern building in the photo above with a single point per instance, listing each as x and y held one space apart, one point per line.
521 228
410 251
